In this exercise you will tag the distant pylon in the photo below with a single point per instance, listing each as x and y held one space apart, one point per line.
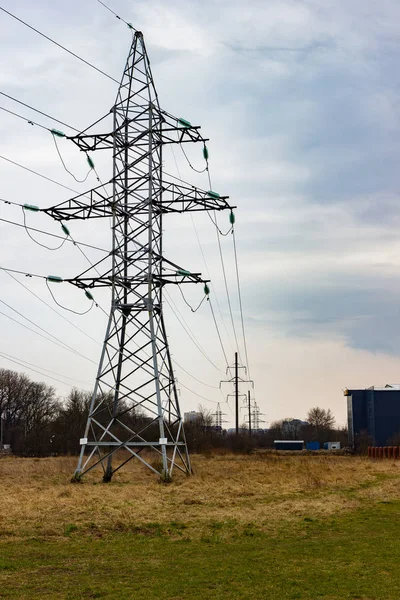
135 405
218 417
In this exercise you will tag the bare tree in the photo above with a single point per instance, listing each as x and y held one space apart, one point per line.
321 418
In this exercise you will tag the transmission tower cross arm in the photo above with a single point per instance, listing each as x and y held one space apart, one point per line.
171 130
172 198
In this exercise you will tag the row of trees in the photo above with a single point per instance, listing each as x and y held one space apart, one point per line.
35 422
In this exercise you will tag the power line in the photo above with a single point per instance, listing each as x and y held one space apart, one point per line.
118 17
23 273
205 264
240 302
196 394
29 121
78 244
215 387
211 285
218 333
52 308
223 268
57 340
60 45
16 359
13 162
189 332
38 111
44 337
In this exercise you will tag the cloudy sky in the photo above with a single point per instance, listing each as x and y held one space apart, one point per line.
300 100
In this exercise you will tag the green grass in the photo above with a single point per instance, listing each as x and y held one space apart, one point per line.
355 555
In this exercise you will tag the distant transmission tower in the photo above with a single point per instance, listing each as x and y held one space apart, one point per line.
218 417
135 405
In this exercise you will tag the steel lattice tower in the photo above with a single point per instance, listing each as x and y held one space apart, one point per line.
135 375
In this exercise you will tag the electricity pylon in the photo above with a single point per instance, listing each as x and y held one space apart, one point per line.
135 405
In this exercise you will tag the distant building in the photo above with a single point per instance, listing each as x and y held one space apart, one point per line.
289 444
191 416
374 411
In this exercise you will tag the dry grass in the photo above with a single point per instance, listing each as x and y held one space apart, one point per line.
263 491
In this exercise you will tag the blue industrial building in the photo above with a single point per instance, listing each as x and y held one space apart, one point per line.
375 411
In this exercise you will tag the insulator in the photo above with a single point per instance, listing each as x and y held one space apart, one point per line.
89 295
206 289
232 217
57 132
31 207
65 229
130 26
213 194
54 278
183 272
205 152
184 123
90 162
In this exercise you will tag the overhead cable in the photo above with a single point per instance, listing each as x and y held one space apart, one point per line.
188 331
54 235
52 308
59 45
240 303
118 17
46 338
38 111
16 359
57 340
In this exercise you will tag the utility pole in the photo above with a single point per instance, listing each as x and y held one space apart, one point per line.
236 393
236 380
135 374
249 409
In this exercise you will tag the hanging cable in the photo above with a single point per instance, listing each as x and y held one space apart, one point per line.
187 303
208 276
224 273
39 243
69 309
205 262
64 165
52 308
189 163
189 333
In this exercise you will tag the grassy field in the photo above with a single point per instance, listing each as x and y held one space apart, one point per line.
243 527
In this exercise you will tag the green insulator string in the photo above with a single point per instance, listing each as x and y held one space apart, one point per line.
56 279
184 123
32 208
